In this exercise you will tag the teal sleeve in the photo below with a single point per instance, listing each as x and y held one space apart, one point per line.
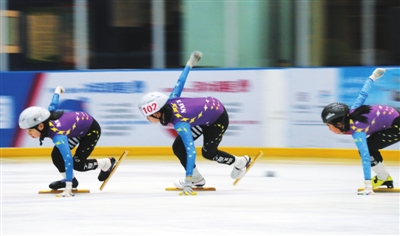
54 102
61 142
360 138
185 132
176 92
362 96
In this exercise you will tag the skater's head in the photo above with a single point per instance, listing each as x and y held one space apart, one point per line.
335 116
35 121
32 119
153 107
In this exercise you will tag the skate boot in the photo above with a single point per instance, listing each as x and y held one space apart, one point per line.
104 174
239 172
377 182
197 183
61 184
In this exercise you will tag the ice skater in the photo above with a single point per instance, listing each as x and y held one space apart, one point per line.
191 118
67 130
372 127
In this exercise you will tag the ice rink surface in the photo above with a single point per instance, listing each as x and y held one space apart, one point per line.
303 198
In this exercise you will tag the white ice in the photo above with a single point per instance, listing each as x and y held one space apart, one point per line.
304 198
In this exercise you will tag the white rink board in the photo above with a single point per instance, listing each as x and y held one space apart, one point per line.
308 94
267 107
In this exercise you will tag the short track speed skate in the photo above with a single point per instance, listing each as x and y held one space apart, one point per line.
194 189
250 165
58 187
383 186
53 191
383 190
114 169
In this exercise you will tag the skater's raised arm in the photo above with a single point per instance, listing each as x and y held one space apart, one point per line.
194 59
378 73
56 96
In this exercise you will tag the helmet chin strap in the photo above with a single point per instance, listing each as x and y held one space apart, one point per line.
345 127
41 138
342 130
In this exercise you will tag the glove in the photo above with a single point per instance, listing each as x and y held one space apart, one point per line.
378 72
68 191
187 187
367 189
59 90
194 58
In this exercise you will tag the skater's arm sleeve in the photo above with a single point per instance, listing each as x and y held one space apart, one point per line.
360 138
363 94
54 102
61 142
176 92
185 132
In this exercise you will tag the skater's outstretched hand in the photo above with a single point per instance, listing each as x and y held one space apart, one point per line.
367 189
59 90
378 73
195 57
187 187
67 192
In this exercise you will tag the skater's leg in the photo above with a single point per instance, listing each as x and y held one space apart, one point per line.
58 162
377 141
212 137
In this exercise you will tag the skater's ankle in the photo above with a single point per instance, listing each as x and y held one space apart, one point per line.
240 162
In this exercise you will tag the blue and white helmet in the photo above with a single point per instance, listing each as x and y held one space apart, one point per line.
151 103
32 116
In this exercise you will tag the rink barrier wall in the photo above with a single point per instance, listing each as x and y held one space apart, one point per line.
165 153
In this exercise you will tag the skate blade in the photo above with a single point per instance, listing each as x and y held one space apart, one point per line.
383 190
114 169
60 191
251 164
194 189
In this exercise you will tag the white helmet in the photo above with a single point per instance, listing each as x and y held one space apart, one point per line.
32 116
152 103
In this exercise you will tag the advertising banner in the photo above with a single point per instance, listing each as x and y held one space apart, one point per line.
112 98
16 91
267 107
385 90
311 89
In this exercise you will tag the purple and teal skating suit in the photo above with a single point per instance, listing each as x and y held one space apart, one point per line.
189 112
70 125
380 118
